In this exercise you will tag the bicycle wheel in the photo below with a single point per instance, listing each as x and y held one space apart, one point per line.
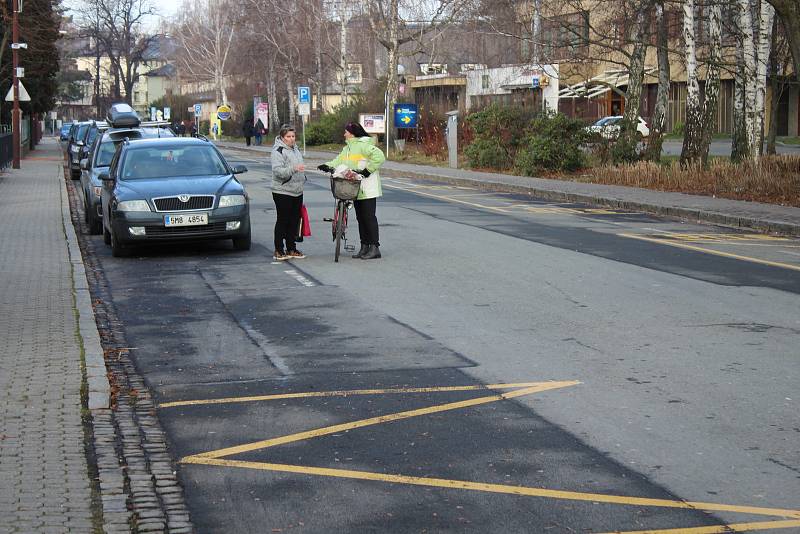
341 221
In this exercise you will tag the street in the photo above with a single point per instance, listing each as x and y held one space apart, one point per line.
510 365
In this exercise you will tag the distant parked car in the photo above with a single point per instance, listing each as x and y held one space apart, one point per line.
175 189
609 127
64 133
75 145
110 133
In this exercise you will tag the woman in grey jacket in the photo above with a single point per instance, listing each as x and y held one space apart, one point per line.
288 179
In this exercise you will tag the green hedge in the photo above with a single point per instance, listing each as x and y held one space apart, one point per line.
329 127
552 142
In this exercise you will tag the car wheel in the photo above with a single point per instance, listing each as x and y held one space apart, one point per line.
106 236
242 243
75 175
95 224
117 249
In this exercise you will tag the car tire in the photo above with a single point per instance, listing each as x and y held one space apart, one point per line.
117 248
95 224
242 243
75 175
106 236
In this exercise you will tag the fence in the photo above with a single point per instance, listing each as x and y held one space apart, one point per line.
6 150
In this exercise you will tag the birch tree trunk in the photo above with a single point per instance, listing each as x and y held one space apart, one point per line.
764 43
740 148
659 119
391 76
749 59
290 97
272 95
693 133
711 100
626 150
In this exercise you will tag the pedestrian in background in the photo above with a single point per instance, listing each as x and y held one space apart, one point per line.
247 130
288 181
259 132
362 156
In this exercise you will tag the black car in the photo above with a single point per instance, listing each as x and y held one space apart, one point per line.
98 161
75 146
160 190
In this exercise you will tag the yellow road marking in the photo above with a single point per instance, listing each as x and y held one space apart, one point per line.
718 529
492 488
722 237
451 199
346 393
309 434
712 251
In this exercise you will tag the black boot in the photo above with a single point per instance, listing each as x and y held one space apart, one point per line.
362 251
372 253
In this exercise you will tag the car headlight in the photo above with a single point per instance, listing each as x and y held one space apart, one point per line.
133 205
226 201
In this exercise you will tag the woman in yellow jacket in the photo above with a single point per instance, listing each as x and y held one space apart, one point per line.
361 155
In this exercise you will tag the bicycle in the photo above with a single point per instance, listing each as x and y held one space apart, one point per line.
344 190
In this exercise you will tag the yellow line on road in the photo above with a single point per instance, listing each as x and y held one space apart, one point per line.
712 251
249 447
492 488
717 529
451 199
345 393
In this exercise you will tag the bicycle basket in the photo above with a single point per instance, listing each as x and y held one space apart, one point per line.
344 189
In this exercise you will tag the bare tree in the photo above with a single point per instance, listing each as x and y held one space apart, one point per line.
779 63
205 33
659 119
117 27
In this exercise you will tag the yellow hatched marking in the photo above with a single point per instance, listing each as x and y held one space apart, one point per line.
712 251
721 237
309 434
717 529
450 199
216 458
492 488
346 393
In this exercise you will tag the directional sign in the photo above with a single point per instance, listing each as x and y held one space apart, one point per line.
536 81
198 109
224 112
304 109
304 95
405 115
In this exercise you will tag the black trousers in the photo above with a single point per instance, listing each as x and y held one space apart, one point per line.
288 208
367 221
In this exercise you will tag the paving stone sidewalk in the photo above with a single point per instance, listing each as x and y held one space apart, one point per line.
44 473
734 213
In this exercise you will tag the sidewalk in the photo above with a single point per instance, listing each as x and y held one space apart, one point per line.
734 213
44 474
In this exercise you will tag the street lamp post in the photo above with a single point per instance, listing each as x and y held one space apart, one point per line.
15 119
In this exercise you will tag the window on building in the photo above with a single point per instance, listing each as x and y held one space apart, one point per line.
485 81
565 36
433 68
354 73
466 67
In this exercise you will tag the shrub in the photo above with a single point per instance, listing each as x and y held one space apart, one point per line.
552 142
329 127
496 134
678 128
487 153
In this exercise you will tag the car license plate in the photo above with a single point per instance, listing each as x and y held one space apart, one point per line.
186 219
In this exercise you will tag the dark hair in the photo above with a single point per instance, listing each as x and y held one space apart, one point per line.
285 129
356 129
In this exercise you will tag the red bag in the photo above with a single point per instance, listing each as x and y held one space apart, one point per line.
305 223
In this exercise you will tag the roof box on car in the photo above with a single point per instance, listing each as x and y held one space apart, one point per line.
122 115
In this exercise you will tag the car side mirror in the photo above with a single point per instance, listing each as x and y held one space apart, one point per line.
84 164
79 143
239 169
105 177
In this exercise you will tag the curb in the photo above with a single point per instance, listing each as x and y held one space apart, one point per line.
96 374
693 214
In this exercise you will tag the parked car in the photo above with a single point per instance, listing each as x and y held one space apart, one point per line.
173 189
75 146
98 160
609 127
64 133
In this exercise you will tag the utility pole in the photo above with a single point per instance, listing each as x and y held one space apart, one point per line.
15 118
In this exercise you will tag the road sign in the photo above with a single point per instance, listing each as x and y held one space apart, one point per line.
224 112
167 114
405 115
304 95
23 94
304 109
536 81
198 109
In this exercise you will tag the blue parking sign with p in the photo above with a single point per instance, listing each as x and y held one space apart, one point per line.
304 95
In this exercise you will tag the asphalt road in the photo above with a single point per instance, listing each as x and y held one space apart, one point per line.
510 365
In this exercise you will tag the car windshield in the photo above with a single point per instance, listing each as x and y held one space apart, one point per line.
81 132
171 161
105 153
